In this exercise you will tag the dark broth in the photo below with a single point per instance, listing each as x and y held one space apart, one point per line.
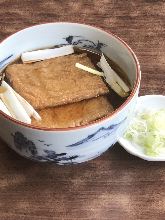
94 56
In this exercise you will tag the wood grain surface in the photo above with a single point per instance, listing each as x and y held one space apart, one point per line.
116 185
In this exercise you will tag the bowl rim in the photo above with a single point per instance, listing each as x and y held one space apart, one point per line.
108 116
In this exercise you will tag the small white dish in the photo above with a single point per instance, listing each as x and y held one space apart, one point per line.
144 102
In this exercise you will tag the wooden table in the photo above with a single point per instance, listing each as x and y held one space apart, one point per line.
116 185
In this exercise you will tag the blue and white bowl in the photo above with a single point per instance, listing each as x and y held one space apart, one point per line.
79 144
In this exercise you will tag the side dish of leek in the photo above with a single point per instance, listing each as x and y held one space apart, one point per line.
148 131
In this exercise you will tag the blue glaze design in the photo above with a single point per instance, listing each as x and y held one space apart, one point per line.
99 134
3 62
41 141
70 39
82 42
23 144
47 145
52 156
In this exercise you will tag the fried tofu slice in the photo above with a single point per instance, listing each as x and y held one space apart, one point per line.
76 114
56 81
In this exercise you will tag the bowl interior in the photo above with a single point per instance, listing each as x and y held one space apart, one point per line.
52 34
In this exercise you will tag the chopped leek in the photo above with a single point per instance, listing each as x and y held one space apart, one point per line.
148 131
38 55
88 69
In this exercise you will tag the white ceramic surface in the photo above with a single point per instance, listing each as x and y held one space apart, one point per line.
74 145
144 102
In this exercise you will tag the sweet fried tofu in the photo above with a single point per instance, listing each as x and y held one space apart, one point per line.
76 114
55 82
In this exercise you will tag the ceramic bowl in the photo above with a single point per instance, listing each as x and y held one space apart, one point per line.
79 144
